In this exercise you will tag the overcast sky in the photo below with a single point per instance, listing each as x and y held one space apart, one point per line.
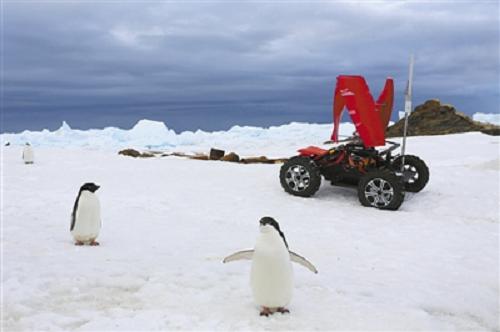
214 64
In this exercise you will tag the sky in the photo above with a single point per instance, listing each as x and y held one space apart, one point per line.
211 65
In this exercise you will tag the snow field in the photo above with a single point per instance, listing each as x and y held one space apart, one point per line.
169 222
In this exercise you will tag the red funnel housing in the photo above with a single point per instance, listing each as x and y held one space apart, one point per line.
369 117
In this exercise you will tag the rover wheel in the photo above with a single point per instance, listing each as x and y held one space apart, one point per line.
415 172
381 189
299 176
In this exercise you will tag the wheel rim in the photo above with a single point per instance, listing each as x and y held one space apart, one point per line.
379 192
410 174
297 178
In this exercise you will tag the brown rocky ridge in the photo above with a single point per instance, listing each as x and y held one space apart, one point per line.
434 118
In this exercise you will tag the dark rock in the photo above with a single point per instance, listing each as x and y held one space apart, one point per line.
257 160
216 154
178 154
130 153
199 157
136 154
174 154
233 157
262 160
493 130
434 118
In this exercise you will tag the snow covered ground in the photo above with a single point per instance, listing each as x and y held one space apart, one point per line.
168 223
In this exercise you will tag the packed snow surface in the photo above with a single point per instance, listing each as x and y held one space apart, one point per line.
168 223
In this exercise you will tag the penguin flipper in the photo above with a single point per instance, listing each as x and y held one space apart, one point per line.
302 261
244 254
72 222
73 214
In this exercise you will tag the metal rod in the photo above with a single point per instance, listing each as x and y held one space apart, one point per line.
408 93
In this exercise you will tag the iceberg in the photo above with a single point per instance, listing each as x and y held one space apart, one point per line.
492 118
149 134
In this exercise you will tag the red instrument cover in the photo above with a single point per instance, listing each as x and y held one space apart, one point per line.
312 151
369 117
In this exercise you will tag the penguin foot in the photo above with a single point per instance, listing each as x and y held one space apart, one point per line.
283 310
266 312
94 243
79 243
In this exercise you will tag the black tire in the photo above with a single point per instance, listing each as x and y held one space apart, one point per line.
415 174
299 176
381 189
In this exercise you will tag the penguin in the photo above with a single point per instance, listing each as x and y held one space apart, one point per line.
28 154
271 276
86 216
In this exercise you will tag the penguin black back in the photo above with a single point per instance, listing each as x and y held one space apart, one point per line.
270 221
89 186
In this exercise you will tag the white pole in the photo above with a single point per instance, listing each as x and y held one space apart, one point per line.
409 86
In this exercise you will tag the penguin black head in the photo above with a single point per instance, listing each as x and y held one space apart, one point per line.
90 186
271 222
28 144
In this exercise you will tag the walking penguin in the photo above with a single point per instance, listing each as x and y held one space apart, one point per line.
271 276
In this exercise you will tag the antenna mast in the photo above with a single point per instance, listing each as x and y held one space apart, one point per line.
408 93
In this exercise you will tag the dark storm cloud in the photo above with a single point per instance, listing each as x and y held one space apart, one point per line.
216 64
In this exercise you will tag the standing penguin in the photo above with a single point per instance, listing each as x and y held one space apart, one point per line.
271 276
28 154
86 216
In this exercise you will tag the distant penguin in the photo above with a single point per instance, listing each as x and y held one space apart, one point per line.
271 276
28 154
86 216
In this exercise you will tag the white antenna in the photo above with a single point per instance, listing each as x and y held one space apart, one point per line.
409 86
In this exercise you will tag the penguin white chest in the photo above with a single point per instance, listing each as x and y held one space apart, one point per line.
271 276
87 217
28 155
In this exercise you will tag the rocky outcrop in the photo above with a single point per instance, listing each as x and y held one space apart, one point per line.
216 154
434 118
198 157
232 157
130 153
262 160
135 153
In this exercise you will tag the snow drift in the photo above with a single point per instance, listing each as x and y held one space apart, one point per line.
147 134
493 118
